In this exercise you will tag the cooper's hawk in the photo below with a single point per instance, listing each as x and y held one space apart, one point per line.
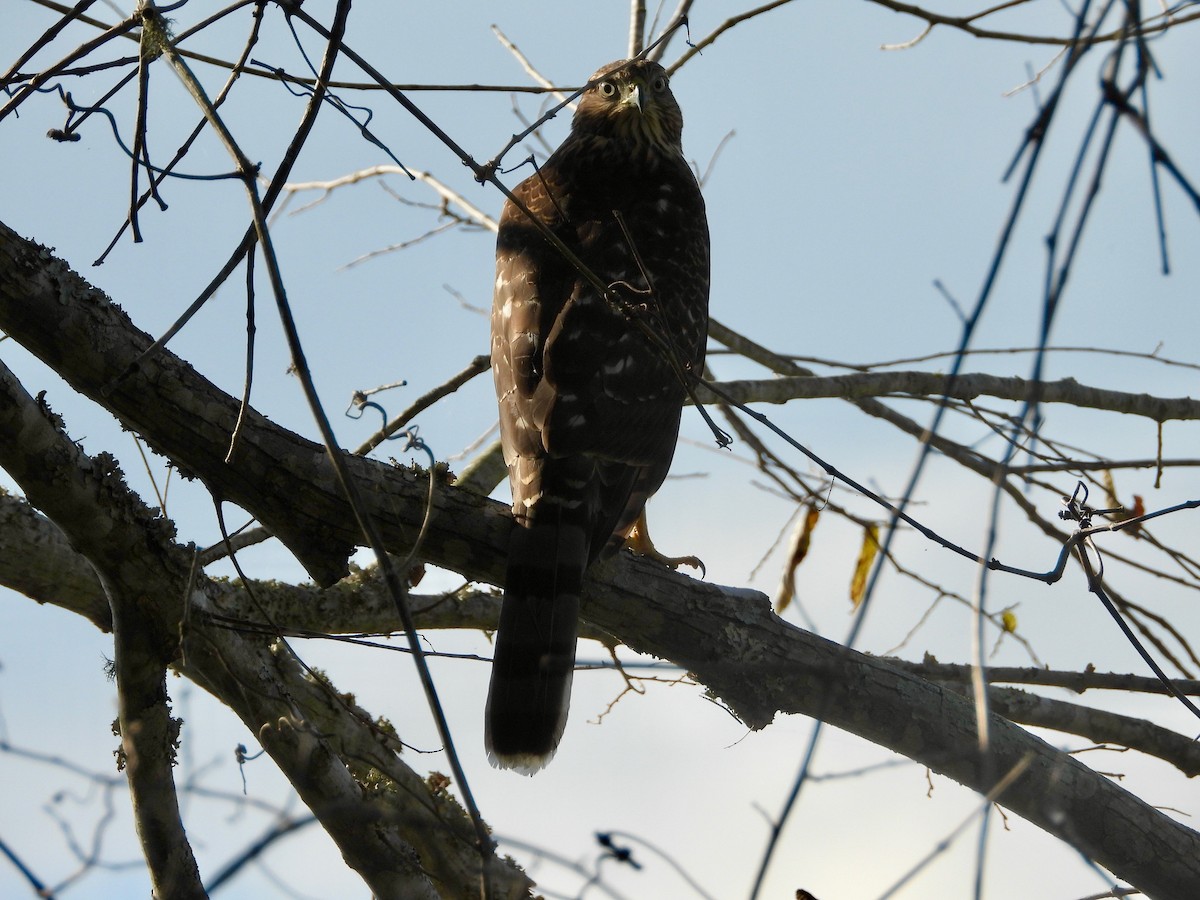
590 383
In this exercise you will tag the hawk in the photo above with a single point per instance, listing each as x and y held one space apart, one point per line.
591 383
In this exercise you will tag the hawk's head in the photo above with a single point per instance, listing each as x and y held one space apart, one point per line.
631 102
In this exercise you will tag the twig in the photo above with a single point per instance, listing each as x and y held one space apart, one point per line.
670 30
720 30
84 49
529 67
27 873
275 833
1151 25
477 366
943 845
1096 586
158 177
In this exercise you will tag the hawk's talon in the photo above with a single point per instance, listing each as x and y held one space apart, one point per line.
638 540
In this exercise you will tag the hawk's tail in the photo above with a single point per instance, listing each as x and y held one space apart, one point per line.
534 658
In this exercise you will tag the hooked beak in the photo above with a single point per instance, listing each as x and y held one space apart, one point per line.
636 97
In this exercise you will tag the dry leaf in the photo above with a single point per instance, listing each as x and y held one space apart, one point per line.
800 541
1126 512
1139 509
862 568
1110 488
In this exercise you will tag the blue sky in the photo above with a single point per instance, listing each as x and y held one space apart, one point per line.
854 178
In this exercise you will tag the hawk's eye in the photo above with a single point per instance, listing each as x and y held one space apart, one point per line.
607 89
659 84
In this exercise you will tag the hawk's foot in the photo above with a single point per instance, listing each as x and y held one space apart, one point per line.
638 540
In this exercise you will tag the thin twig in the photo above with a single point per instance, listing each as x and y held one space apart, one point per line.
529 67
477 366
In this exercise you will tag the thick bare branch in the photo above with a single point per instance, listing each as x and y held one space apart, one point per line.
404 839
1098 725
38 561
759 664
78 331
106 524
730 639
360 604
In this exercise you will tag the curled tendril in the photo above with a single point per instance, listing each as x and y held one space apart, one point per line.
411 434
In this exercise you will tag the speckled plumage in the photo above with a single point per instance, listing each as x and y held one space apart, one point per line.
589 404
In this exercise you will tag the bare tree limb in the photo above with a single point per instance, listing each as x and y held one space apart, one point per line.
1078 682
966 24
1098 725
38 561
398 839
360 605
730 639
89 499
860 385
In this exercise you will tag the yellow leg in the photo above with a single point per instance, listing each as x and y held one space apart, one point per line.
638 540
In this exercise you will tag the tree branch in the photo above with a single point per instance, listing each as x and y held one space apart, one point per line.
1150 25
730 639
360 605
37 560
108 526
935 385
1098 725
401 835
91 342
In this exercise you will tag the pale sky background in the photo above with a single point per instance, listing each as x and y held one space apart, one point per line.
855 177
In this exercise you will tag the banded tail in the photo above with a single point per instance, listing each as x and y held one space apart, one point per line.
534 658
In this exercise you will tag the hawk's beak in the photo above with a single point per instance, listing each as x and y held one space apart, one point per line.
637 97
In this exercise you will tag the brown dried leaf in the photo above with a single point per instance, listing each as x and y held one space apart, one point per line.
800 541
